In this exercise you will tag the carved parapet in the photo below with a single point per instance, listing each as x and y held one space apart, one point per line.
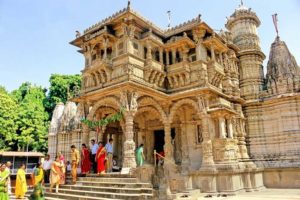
215 73
225 150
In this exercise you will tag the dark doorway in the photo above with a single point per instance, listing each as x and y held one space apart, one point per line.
159 140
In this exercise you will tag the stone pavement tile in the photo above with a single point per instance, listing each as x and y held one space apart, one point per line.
267 194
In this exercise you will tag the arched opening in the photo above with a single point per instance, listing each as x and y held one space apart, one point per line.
187 136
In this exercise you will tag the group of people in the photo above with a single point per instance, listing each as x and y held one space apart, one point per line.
102 158
21 182
99 159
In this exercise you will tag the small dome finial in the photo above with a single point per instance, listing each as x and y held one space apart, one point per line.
128 4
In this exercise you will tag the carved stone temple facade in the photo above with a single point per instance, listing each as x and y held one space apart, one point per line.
198 95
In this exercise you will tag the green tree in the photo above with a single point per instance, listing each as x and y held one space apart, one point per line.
8 116
32 119
61 88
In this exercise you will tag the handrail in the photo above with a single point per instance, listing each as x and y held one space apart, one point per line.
155 153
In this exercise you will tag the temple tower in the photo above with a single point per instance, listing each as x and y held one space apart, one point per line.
243 24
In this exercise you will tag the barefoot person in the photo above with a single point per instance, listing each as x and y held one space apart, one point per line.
140 155
21 184
55 174
4 175
75 157
100 156
85 159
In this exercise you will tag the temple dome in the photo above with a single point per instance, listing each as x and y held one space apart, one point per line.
56 118
68 117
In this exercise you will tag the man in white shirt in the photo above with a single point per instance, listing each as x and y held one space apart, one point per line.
8 166
93 156
47 167
109 152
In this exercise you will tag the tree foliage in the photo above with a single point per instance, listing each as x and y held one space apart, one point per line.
32 119
61 88
8 116
25 112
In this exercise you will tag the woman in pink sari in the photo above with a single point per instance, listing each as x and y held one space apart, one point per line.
100 159
85 160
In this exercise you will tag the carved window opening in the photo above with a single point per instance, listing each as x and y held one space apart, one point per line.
178 57
199 136
94 56
192 55
156 56
109 53
136 46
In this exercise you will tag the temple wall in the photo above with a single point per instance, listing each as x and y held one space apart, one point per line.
274 139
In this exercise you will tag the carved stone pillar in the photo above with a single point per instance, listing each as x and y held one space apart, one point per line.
85 134
129 144
207 159
222 130
149 51
230 128
167 58
168 148
212 50
129 103
105 44
221 59
173 56
161 60
185 55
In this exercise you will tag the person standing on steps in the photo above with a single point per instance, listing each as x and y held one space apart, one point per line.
8 166
93 155
140 157
47 168
4 174
75 157
85 160
100 156
56 174
38 191
21 184
109 155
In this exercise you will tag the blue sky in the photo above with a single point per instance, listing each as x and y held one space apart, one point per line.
35 34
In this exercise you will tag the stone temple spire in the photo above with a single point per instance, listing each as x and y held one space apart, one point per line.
243 24
283 72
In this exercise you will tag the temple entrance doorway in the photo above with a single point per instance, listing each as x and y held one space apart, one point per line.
159 140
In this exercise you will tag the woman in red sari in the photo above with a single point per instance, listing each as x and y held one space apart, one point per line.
100 159
85 160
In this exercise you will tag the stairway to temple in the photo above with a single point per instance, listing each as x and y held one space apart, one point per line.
104 187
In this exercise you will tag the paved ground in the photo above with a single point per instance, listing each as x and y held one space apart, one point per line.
267 194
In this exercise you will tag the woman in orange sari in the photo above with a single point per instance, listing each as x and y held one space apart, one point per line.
85 160
56 174
100 159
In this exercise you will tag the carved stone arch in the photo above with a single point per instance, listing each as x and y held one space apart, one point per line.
112 101
151 109
180 103
155 104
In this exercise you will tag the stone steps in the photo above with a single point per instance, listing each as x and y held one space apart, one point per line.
108 195
114 184
104 187
63 196
108 189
